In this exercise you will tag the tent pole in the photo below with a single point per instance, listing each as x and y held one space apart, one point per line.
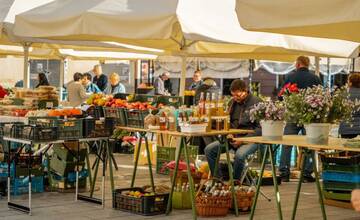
317 66
26 76
251 71
62 76
183 75
328 73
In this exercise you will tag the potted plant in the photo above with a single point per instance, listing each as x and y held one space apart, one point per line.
316 108
271 115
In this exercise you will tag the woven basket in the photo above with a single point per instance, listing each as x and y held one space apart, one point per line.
181 177
213 206
244 200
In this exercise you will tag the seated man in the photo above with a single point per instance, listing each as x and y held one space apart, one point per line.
242 101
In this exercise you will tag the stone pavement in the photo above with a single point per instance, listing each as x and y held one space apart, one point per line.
60 206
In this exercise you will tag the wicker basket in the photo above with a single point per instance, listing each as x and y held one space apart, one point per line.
213 206
244 200
182 177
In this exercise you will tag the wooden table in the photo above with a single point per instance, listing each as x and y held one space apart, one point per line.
306 148
220 136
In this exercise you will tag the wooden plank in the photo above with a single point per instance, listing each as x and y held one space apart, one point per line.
336 203
195 134
300 141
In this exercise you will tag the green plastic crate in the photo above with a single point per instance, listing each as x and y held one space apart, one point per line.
48 103
117 113
160 169
175 101
22 171
69 156
168 153
68 129
339 186
64 184
337 195
62 167
146 98
342 168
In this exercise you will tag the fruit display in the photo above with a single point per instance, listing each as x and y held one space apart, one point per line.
13 110
138 201
97 99
189 92
66 112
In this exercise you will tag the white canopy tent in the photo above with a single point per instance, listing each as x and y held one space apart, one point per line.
336 19
47 48
176 26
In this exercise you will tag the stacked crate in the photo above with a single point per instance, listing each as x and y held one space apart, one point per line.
340 176
20 181
164 155
63 164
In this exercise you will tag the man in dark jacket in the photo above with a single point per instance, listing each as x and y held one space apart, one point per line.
303 79
242 101
100 79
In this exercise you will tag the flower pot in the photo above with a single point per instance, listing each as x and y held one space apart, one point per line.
317 133
272 130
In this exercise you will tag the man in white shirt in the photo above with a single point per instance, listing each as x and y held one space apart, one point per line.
76 91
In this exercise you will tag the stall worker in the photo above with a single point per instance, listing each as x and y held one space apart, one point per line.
76 91
89 86
197 81
43 81
352 129
303 78
115 86
208 86
241 103
100 79
159 84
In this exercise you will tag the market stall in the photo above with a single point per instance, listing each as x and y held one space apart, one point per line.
176 29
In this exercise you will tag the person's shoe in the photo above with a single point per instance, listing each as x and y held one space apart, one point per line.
285 178
308 179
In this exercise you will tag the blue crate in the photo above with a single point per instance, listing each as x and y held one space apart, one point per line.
71 177
21 185
341 177
4 171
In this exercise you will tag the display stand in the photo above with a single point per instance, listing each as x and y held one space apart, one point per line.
221 135
306 148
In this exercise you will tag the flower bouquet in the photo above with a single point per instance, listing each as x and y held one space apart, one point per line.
315 108
271 116
288 89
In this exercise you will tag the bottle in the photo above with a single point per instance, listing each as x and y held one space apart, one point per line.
220 105
180 120
207 104
202 104
171 122
213 108
163 121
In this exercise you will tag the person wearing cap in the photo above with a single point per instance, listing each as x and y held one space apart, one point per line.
159 84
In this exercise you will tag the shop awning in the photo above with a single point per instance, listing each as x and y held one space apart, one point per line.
337 19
